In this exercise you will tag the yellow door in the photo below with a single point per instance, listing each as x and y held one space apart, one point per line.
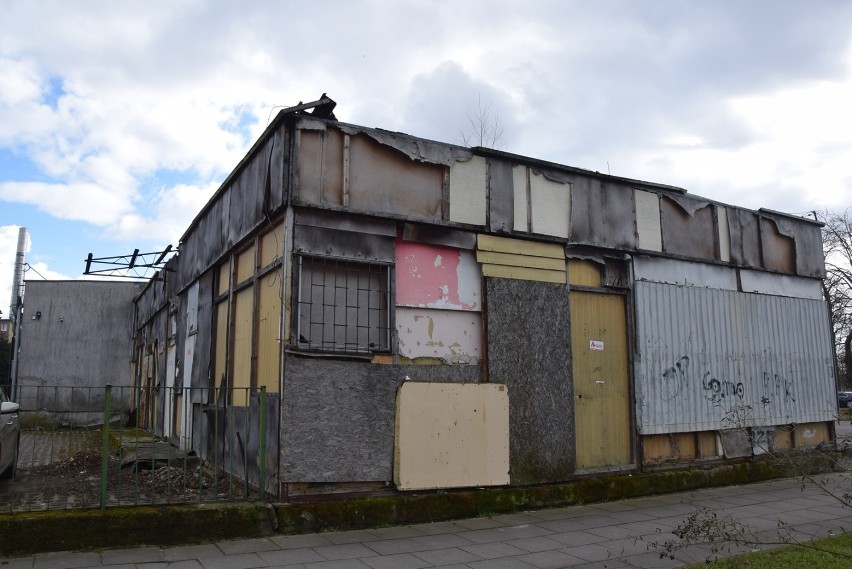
601 396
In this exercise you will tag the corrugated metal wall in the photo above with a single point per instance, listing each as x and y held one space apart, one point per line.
715 359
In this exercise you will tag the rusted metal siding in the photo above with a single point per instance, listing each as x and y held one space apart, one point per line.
712 359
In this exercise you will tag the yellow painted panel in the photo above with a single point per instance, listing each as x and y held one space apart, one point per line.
243 308
810 434
519 247
245 264
783 438
707 444
221 363
271 245
508 259
451 435
600 375
523 274
268 330
584 273
224 278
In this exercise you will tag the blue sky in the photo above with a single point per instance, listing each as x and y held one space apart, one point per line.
118 119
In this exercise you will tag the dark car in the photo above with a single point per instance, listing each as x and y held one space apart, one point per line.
10 436
844 398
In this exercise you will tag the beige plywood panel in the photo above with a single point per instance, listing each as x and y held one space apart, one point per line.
510 260
221 362
224 279
648 221
600 375
584 273
519 247
724 234
451 336
271 245
451 435
519 181
551 206
243 308
524 274
810 434
245 265
268 330
468 191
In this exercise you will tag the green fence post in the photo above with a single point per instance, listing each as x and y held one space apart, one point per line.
105 448
261 451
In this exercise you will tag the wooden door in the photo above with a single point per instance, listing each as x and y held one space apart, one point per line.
600 376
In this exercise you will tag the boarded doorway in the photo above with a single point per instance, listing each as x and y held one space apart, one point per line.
600 375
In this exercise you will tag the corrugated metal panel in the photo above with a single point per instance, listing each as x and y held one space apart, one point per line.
716 359
269 330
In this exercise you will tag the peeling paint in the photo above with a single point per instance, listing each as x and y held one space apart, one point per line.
430 276
452 336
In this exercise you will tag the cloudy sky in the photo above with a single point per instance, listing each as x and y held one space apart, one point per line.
119 119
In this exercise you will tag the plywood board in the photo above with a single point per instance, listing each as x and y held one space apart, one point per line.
524 274
810 434
584 273
243 308
269 331
648 221
521 194
451 435
519 247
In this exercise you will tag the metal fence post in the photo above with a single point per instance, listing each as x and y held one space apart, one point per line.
105 448
261 451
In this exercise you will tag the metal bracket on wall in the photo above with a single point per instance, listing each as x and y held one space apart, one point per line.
134 266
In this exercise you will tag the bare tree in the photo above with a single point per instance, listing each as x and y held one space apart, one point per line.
837 286
484 128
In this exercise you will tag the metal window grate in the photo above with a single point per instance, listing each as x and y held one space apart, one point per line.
343 306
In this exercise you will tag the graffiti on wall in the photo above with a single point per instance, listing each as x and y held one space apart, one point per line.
715 389
718 389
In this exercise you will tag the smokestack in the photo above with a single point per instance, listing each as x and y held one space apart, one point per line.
17 278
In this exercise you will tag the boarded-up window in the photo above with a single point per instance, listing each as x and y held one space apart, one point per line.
343 306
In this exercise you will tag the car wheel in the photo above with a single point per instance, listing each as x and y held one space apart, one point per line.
849 404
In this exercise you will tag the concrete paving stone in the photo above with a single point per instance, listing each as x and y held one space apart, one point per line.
611 532
355 536
553 559
574 538
399 561
394 546
299 541
590 552
17 563
608 564
446 556
191 552
629 516
560 526
182 564
442 541
395 532
235 546
561 513
236 561
66 560
344 551
436 528
337 564
480 523
504 563
516 519
651 561
629 546
290 556
535 544
137 555
493 550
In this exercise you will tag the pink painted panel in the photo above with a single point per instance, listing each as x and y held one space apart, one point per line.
431 276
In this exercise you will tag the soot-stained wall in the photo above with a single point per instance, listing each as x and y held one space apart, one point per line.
338 416
529 350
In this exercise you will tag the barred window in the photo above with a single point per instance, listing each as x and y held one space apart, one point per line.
343 306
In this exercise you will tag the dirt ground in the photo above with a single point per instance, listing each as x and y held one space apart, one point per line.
58 472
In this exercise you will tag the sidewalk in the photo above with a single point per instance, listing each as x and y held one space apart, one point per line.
612 535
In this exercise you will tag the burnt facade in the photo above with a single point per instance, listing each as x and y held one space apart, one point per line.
555 321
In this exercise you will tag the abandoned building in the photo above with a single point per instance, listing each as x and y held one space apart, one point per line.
410 314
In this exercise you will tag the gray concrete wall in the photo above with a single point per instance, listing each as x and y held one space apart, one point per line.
75 339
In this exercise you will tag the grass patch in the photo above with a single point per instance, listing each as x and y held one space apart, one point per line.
845 413
793 557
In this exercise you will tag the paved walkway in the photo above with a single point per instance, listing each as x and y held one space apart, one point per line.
611 535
